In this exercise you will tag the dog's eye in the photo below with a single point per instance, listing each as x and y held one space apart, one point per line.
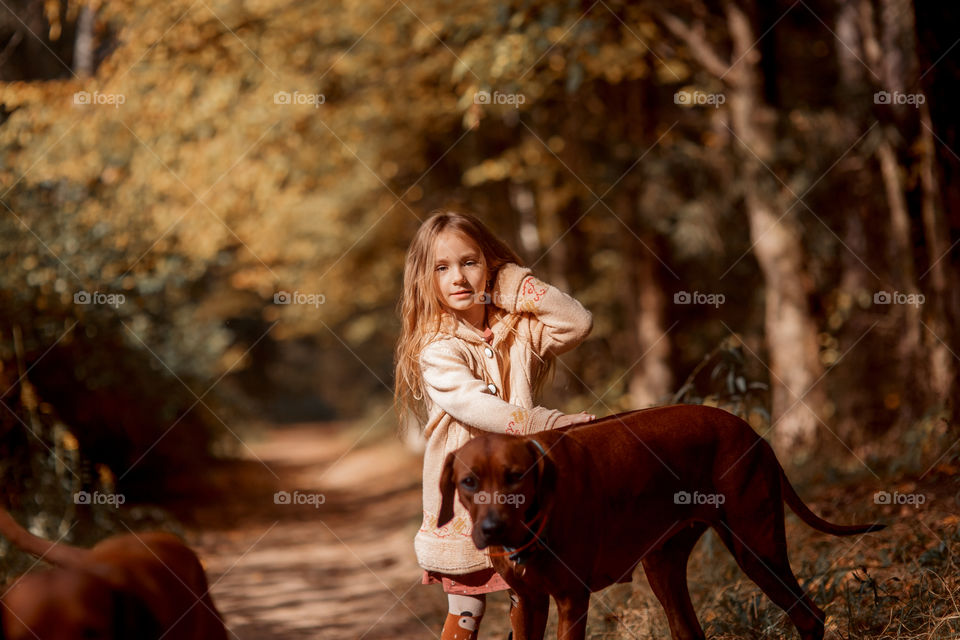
514 477
469 483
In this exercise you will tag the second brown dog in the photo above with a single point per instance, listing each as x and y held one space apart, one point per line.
134 586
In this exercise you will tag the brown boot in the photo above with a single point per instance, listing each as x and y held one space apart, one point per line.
461 627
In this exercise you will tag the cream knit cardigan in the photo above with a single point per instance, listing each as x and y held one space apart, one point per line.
472 387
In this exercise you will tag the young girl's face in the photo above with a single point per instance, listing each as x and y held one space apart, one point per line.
460 275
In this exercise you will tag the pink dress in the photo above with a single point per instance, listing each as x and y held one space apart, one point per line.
469 584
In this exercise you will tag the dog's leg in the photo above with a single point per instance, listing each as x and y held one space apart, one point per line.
760 547
666 570
572 616
528 615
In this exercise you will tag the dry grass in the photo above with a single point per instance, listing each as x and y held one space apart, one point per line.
901 583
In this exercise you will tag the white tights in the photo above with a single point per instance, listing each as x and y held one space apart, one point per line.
474 605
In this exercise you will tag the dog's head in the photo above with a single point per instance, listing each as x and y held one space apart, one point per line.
502 481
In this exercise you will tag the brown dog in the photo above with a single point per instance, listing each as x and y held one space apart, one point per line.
577 509
143 586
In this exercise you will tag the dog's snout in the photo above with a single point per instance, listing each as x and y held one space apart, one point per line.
491 525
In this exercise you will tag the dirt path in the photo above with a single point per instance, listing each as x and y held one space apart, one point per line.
341 569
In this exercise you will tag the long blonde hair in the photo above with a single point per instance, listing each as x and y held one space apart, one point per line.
420 306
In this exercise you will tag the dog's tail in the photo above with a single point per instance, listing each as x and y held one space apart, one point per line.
59 554
803 512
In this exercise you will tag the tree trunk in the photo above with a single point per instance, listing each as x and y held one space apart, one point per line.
894 62
936 32
910 352
650 378
942 366
84 45
791 333
523 202
849 66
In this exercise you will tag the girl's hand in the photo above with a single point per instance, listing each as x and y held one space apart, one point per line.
574 418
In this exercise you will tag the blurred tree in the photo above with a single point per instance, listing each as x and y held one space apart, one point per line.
939 173
791 331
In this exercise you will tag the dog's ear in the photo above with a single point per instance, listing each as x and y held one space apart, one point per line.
546 486
447 491
133 619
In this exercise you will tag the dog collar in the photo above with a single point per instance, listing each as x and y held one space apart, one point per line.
521 554
520 557
543 452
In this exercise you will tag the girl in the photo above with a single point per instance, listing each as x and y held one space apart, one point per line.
479 332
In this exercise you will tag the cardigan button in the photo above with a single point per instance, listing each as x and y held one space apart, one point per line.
493 388
487 351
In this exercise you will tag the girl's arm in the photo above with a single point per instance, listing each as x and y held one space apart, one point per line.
562 322
453 387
